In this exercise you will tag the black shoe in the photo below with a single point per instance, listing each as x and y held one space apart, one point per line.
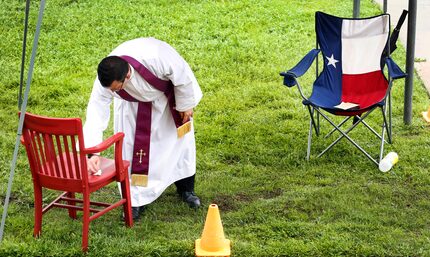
191 199
135 213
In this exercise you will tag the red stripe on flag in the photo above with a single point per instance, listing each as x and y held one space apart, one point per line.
364 89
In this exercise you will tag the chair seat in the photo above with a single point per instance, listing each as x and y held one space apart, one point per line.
351 112
323 99
107 167
73 184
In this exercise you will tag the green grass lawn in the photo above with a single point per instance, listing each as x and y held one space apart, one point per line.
251 135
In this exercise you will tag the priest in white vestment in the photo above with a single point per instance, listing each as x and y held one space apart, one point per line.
171 159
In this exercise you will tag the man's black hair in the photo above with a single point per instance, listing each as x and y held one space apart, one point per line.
110 69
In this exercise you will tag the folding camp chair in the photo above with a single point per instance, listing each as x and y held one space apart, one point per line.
352 82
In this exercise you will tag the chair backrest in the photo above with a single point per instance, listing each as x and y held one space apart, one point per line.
51 145
352 50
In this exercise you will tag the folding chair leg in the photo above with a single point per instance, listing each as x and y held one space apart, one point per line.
390 128
339 125
381 153
315 125
309 140
371 129
318 122
387 126
338 129
344 134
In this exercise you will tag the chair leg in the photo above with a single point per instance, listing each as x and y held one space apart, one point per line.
37 211
344 135
85 220
390 124
339 125
385 127
72 212
387 124
308 152
381 152
371 129
125 192
312 124
316 124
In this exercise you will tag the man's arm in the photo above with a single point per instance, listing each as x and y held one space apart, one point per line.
97 120
187 90
186 115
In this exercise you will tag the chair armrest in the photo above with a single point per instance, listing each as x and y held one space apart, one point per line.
116 139
105 144
394 70
300 68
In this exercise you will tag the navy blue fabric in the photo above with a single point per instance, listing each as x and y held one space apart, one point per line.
300 68
327 89
393 69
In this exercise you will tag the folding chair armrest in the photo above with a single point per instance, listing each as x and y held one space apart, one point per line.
300 68
394 70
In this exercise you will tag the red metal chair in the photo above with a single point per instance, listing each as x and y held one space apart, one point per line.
55 163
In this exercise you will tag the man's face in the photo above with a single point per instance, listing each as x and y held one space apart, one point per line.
118 85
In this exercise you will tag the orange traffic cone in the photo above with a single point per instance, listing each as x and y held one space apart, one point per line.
213 242
426 115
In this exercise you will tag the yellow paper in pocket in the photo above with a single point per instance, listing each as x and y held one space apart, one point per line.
184 128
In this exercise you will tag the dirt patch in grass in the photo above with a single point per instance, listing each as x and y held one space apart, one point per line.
233 202
272 193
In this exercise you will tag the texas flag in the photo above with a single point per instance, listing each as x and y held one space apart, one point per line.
352 51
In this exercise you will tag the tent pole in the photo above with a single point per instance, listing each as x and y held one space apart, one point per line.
356 9
24 44
410 56
21 118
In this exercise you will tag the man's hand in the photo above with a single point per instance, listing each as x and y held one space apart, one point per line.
93 164
186 115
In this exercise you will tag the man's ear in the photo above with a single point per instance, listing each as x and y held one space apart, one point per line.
128 76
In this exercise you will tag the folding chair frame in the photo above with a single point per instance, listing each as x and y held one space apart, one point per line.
386 126
394 72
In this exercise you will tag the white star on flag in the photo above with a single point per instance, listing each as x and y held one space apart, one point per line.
331 61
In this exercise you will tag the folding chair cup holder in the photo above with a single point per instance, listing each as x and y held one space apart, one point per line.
352 83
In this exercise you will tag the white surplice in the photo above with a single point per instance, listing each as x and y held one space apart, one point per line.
170 158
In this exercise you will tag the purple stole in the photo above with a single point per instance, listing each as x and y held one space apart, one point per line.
142 138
